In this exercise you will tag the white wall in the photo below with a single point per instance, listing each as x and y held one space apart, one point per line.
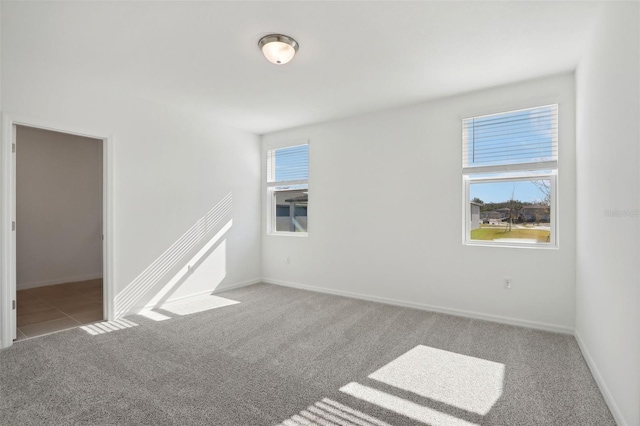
608 256
58 208
170 167
404 170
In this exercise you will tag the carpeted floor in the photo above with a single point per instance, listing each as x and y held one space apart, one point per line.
292 357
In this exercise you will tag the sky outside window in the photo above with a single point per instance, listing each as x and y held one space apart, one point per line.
499 192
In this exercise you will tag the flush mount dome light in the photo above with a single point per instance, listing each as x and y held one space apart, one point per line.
277 48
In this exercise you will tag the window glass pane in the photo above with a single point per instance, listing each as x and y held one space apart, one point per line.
288 164
291 210
517 211
524 136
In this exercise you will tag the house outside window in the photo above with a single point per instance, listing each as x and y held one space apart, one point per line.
288 190
510 164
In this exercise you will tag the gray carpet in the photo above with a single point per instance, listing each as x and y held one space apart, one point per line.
281 356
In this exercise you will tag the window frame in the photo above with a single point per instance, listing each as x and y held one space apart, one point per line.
513 172
271 193
519 177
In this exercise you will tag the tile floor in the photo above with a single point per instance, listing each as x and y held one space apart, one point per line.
58 307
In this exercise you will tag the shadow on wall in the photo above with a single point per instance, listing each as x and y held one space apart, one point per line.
160 280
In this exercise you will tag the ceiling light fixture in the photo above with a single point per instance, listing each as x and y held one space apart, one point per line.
277 48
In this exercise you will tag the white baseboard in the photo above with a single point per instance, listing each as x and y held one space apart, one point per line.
237 285
25 286
217 290
613 407
432 308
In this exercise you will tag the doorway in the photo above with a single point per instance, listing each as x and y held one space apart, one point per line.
59 231
55 203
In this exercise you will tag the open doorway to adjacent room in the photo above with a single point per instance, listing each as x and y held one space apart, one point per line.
59 231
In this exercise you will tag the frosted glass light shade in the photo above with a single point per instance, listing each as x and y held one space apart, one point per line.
278 49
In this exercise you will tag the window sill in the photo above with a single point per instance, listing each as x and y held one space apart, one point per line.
511 245
288 234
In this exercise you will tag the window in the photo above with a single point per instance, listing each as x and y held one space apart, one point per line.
509 166
288 189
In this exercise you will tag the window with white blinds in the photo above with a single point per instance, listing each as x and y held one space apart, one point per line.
509 169
288 189
290 164
520 140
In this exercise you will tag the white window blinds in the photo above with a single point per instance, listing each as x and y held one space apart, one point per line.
288 165
514 140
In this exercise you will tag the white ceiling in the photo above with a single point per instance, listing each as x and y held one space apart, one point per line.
354 56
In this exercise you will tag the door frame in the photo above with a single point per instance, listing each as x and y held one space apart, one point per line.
8 214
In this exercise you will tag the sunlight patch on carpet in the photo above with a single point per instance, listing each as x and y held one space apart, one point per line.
402 406
331 413
153 315
462 381
198 304
108 326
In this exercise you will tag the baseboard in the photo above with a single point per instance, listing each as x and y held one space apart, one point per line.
613 407
237 285
217 290
25 286
432 308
